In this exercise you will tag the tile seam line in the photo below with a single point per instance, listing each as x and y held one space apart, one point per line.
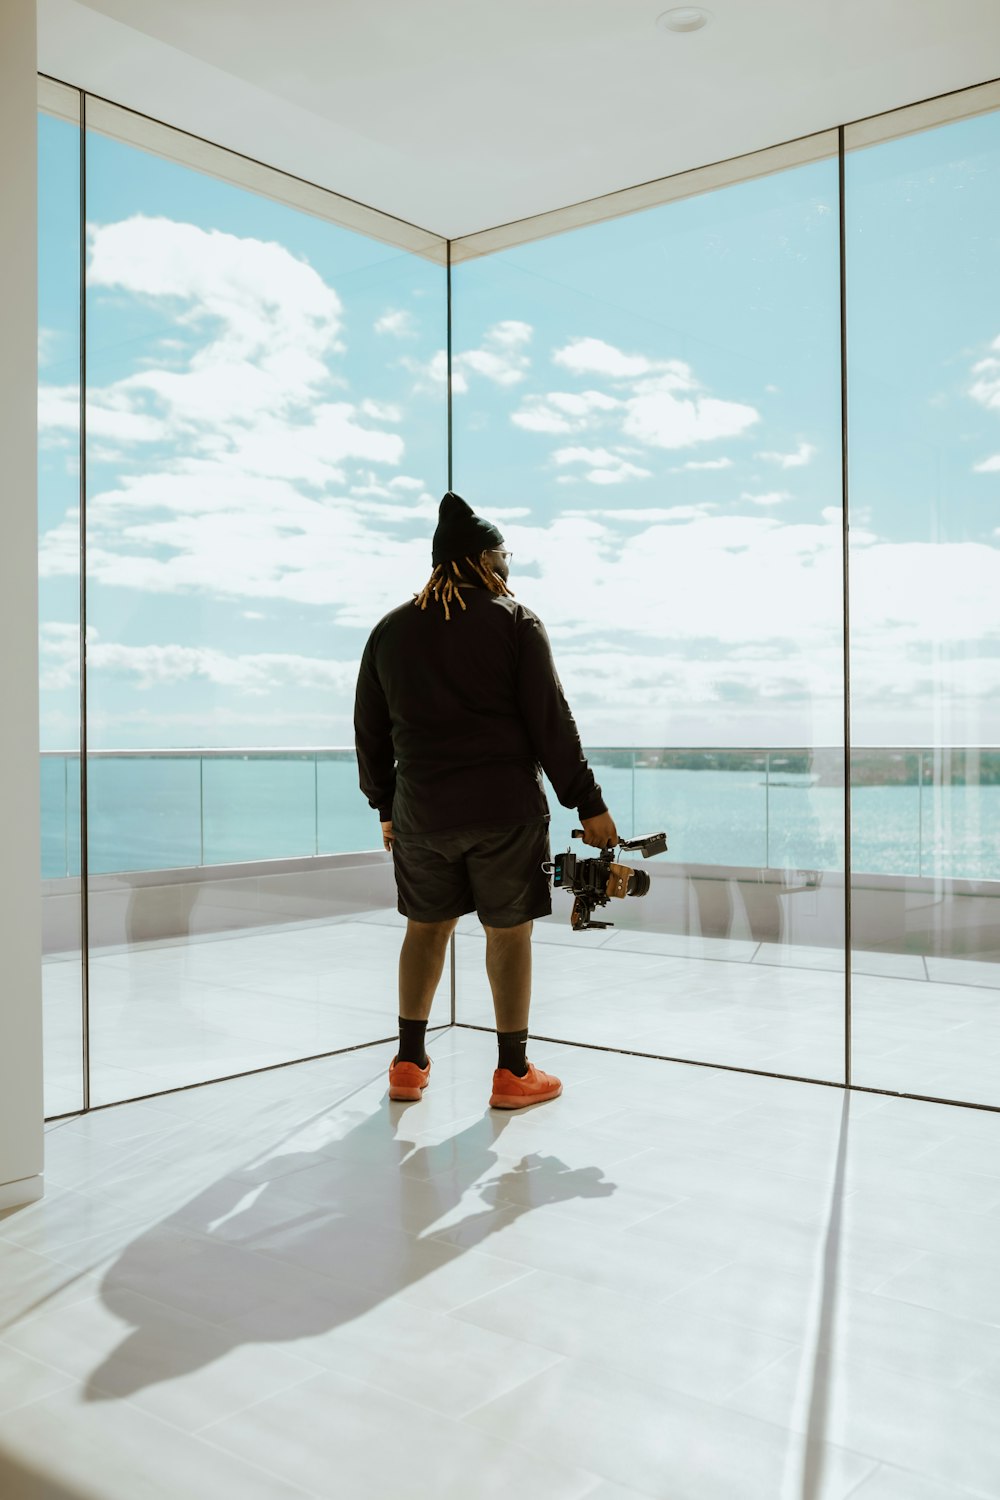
722 1067
185 1088
665 1386
703 1401
993 1325
367 1385
241 1458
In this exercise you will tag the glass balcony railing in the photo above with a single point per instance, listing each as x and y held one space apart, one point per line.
914 811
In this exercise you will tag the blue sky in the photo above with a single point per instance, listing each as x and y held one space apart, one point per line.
649 408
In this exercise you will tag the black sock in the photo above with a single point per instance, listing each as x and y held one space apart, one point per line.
512 1046
411 1042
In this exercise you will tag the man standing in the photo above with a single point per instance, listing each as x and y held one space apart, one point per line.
458 711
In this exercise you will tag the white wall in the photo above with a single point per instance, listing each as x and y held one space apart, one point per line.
20 874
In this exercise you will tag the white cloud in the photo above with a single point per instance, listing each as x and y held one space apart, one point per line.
591 456
108 415
772 497
563 411
603 467
161 665
397 322
267 321
49 340
502 358
495 366
433 376
617 475
510 333
315 450
704 463
586 356
988 465
251 494
694 598
212 530
261 331
381 411
660 402
709 644
658 417
649 515
986 387
802 455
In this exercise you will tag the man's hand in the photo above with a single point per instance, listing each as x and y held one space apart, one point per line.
600 831
387 836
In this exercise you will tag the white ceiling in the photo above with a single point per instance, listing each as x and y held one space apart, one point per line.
459 115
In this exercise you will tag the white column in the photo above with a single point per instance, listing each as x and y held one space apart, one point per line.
21 1134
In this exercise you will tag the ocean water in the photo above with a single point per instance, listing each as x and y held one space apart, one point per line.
159 812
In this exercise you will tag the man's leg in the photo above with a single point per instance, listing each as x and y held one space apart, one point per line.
421 964
508 968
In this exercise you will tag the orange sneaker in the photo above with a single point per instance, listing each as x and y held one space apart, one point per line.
511 1092
407 1081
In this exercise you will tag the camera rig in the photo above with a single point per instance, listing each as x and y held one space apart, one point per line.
593 882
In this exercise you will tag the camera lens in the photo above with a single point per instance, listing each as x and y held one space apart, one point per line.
639 883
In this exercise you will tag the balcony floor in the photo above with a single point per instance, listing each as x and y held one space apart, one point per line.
168 1014
671 1282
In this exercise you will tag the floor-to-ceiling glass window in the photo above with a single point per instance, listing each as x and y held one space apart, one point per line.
59 594
266 440
923 242
650 409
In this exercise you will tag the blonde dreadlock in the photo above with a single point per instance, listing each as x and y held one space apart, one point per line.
444 585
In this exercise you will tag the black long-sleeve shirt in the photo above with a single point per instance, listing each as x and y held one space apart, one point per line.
455 719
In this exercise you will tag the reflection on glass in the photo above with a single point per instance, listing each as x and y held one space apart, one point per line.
614 772
650 409
258 809
344 821
55 802
960 814
265 407
59 607
924 349
805 809
713 804
143 813
886 812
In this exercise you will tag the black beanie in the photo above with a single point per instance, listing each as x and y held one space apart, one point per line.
460 532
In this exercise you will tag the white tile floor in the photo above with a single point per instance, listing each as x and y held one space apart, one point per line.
672 1282
164 1015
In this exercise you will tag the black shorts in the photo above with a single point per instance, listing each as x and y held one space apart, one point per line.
493 871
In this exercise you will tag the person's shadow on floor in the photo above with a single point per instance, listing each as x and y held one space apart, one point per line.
281 1260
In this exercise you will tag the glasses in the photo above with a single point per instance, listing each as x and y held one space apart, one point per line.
502 552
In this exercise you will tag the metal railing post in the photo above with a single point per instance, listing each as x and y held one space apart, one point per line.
920 813
633 833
